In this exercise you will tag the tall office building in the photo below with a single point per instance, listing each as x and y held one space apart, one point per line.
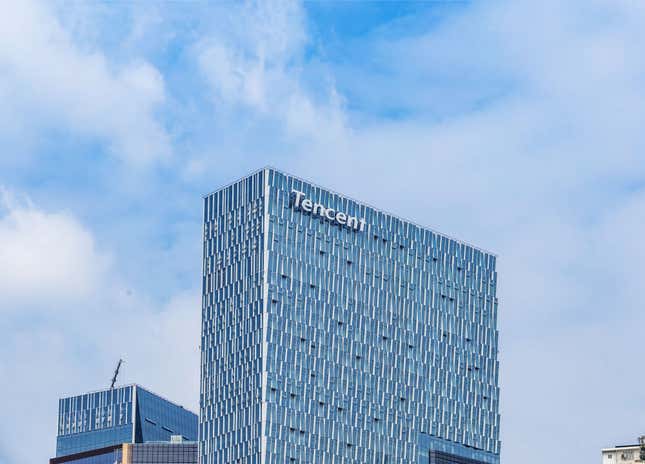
335 332
111 417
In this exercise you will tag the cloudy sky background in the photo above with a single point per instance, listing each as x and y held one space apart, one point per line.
516 125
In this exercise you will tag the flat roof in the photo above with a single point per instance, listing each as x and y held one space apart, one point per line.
125 386
463 242
621 447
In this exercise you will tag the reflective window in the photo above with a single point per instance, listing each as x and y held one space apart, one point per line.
121 415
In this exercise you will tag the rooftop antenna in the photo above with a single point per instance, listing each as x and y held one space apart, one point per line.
116 373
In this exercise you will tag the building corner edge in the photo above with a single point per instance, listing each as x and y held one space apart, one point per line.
265 313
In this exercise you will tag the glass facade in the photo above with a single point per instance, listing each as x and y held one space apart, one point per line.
443 458
158 419
140 453
95 420
128 414
163 453
335 332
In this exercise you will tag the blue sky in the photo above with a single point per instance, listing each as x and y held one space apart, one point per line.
515 125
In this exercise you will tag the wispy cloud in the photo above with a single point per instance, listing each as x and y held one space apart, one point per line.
49 81
514 125
45 258
255 71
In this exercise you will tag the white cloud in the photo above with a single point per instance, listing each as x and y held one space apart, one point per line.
36 364
44 257
49 81
256 67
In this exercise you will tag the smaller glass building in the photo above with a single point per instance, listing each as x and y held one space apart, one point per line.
127 414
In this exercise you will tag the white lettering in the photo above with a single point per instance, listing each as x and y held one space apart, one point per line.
307 205
299 196
317 209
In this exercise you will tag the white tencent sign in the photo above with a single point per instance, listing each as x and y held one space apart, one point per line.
317 209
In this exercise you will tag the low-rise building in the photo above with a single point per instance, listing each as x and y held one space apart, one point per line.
176 451
626 454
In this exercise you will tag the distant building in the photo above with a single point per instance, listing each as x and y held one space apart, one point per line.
627 454
176 451
94 422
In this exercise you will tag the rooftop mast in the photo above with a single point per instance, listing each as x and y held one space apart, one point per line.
116 373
